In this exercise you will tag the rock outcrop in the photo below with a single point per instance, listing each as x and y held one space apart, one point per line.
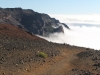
34 22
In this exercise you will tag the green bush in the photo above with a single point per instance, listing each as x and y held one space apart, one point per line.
42 54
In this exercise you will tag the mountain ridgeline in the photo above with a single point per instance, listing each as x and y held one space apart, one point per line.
33 22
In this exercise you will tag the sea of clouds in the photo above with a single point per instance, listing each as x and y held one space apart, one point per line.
85 30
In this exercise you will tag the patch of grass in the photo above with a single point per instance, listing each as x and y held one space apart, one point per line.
42 54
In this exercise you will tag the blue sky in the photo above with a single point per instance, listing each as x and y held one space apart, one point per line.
56 6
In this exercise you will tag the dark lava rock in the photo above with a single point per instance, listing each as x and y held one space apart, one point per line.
85 54
65 25
27 19
59 29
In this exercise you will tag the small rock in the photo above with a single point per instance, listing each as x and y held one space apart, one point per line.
16 65
44 60
3 73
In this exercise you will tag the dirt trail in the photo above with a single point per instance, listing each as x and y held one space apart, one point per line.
61 65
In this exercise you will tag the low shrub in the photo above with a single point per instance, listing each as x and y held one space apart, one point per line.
42 54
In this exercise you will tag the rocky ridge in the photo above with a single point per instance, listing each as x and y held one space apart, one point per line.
27 19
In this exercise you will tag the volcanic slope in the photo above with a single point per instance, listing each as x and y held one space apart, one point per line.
19 55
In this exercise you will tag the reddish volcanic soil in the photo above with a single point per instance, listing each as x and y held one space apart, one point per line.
12 31
19 55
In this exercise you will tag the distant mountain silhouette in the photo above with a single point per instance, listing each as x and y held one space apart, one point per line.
34 22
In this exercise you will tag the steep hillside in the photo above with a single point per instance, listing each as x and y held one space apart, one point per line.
19 51
34 22
20 55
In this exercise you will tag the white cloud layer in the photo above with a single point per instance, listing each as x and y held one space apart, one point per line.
83 36
79 18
